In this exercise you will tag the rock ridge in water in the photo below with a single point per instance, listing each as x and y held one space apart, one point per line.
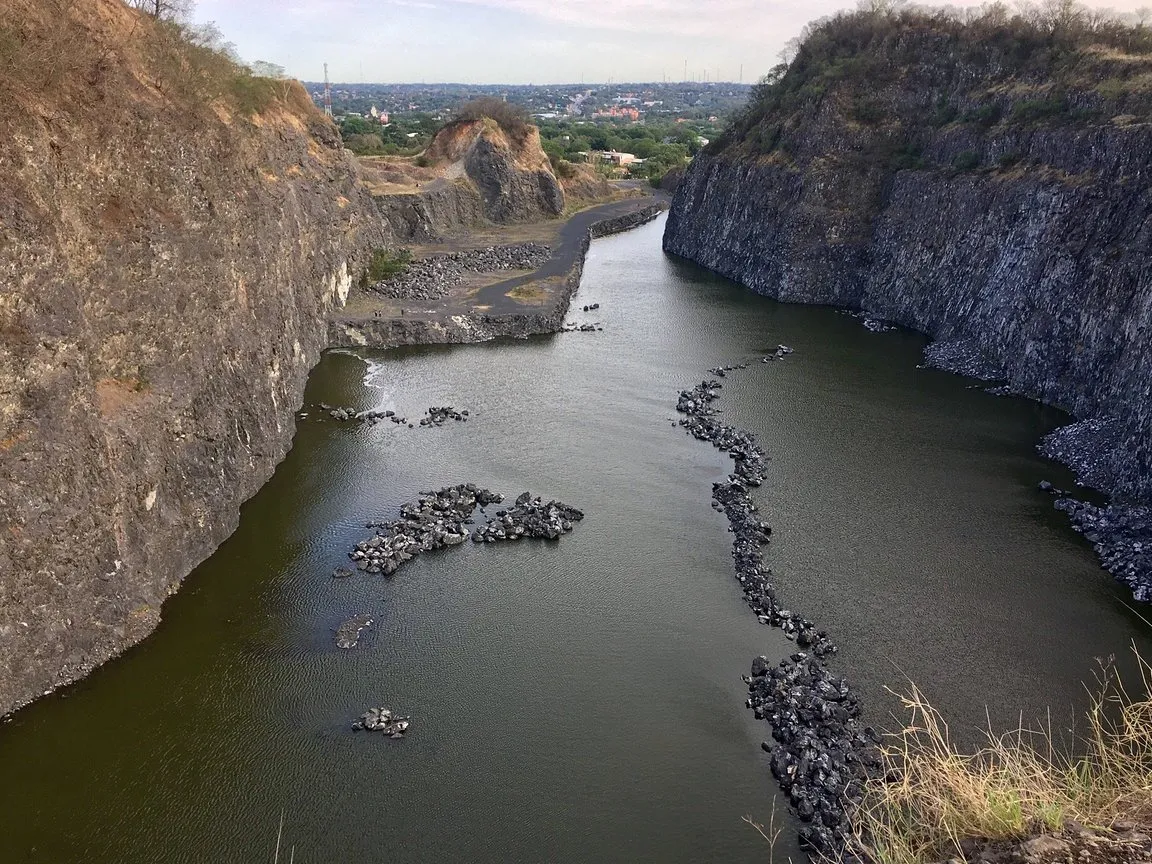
822 753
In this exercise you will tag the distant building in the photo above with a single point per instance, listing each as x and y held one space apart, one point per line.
616 158
620 113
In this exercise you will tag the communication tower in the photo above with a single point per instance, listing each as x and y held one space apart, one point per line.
327 93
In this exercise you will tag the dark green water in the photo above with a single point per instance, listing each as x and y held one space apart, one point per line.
578 701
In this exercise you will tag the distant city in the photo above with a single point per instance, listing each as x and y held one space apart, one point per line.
629 102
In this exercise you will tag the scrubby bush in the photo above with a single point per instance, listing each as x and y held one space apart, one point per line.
1038 110
1058 44
386 264
513 119
932 795
966 161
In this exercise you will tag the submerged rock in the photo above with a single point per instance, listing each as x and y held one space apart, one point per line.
348 633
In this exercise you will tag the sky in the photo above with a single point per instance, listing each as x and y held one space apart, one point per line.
519 41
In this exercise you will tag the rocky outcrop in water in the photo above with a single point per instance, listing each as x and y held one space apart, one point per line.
823 753
383 720
938 191
529 517
440 519
348 633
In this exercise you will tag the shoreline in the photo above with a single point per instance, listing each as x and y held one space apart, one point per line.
493 314
1120 532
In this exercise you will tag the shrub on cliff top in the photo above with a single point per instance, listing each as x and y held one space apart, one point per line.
93 55
513 119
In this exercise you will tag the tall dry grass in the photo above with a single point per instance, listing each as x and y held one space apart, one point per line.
933 795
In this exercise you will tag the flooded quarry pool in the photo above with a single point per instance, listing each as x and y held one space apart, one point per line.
578 700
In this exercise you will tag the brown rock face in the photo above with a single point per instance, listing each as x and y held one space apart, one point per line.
510 170
167 259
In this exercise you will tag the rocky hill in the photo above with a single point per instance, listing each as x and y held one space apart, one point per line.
983 180
172 234
505 163
475 173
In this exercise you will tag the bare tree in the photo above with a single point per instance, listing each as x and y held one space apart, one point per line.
167 10
1062 15
882 7
790 50
1141 16
264 69
1096 19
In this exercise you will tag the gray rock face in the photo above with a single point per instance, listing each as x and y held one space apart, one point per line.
1042 280
424 216
511 193
1038 277
158 320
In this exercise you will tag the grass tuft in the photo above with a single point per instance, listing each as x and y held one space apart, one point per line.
932 796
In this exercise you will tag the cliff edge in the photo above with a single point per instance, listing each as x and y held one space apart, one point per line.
173 232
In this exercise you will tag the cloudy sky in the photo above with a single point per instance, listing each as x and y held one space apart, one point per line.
518 41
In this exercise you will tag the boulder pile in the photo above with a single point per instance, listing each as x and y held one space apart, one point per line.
437 416
434 416
440 519
572 327
434 521
823 753
529 517
434 277
1122 537
383 720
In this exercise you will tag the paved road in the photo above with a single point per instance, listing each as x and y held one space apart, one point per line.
565 252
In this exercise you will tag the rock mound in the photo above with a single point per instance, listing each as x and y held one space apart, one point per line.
510 169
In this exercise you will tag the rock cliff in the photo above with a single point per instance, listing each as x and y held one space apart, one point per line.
985 182
172 235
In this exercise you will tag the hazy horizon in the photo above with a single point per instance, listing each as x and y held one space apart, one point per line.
520 41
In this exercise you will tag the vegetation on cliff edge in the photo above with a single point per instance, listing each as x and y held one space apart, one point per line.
49 48
932 799
888 65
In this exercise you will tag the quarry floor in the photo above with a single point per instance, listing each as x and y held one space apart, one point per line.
502 293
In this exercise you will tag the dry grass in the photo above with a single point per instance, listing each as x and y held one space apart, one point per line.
935 796
94 53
